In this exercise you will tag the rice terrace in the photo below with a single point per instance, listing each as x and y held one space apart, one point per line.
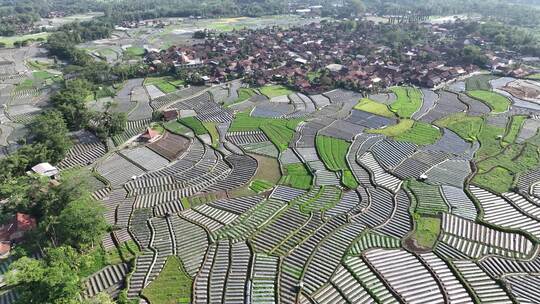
269 152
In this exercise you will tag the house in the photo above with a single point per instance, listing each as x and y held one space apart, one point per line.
45 169
334 67
13 231
150 135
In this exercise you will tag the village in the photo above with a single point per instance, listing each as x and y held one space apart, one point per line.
316 57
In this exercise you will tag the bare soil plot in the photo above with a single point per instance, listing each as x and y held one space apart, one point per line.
170 146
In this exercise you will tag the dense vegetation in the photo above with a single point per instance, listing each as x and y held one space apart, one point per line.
69 231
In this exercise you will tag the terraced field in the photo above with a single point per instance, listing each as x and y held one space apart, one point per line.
409 100
496 102
410 196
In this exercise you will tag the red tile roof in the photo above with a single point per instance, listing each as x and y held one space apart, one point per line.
25 222
149 134
5 248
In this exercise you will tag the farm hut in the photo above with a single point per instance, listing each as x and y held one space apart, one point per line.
45 169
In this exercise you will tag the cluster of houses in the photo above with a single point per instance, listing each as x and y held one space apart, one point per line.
318 56
13 230
155 23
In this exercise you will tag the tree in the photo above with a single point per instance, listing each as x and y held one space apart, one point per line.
359 7
81 224
50 130
53 205
199 34
71 102
100 298
107 124
473 55
27 194
18 163
53 279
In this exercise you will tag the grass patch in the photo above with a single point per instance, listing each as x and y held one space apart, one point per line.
497 102
260 185
479 82
498 173
172 286
428 198
512 131
212 130
134 51
490 144
93 262
105 92
194 124
279 131
395 130
38 65
498 179
165 84
280 135
43 75
26 84
185 203
272 91
421 133
166 87
243 95
535 76
348 180
427 230
368 105
123 254
176 127
158 127
297 176
333 152
467 127
10 40
408 101
417 132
